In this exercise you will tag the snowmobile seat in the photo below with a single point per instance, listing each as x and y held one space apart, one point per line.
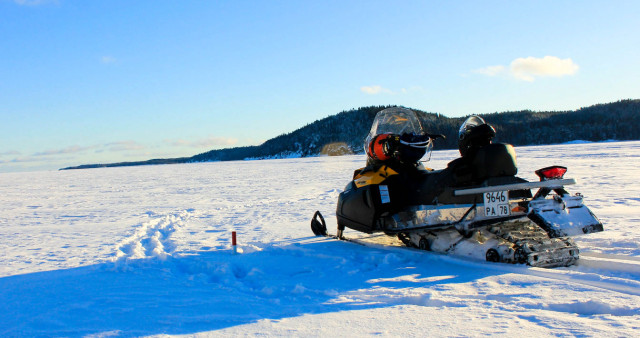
494 160
480 164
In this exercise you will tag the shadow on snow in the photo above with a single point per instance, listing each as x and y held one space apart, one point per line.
212 290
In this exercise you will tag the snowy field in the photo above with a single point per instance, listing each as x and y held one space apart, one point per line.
145 251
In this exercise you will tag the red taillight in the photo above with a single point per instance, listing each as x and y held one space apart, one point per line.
551 173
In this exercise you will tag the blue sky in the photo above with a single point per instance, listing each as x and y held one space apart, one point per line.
108 81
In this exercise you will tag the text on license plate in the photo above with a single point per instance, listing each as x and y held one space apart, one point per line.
496 204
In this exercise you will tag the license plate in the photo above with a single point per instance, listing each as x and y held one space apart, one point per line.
496 204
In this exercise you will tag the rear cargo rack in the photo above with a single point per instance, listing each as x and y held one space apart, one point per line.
551 184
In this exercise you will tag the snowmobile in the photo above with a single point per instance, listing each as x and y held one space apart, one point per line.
476 206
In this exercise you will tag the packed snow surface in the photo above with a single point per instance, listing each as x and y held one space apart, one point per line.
140 251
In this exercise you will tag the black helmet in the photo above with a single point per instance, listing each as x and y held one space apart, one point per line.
474 133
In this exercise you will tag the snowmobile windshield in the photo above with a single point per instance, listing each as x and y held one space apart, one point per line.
470 123
396 120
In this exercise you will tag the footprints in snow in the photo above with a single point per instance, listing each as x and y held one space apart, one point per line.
153 238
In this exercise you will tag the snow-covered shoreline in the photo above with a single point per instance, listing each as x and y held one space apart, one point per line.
146 251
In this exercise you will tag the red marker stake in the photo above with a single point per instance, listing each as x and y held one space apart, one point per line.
233 242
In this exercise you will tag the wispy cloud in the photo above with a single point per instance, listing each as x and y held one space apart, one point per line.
23 159
35 2
491 70
109 152
107 59
411 89
211 141
120 146
530 68
123 146
376 90
67 150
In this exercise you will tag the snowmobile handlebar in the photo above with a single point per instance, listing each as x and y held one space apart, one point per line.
436 136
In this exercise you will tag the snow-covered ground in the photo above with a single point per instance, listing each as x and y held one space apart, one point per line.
146 251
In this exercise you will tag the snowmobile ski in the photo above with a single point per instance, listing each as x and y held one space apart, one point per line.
319 228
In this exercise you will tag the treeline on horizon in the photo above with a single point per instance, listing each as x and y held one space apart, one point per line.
345 132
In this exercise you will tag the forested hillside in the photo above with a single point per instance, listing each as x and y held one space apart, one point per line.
344 132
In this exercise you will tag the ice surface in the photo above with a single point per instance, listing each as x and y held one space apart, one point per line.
146 251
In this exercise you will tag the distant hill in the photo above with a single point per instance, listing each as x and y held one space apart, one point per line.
344 132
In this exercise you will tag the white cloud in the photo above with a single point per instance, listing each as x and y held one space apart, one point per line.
374 90
530 68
